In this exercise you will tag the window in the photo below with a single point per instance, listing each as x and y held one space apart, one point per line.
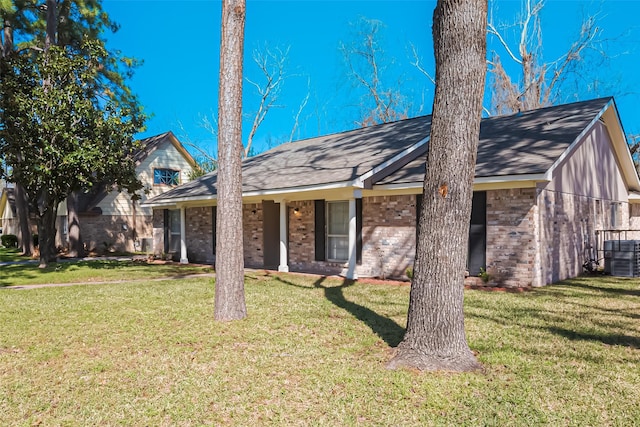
615 217
166 176
172 244
337 231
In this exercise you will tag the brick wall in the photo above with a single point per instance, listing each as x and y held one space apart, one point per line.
388 235
534 236
537 236
198 234
301 235
106 232
569 225
511 237
253 236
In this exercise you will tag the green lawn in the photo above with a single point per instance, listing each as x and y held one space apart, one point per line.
92 271
11 254
313 352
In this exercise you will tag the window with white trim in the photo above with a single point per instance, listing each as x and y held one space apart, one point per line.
338 231
166 177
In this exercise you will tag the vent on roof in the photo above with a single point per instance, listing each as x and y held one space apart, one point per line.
622 258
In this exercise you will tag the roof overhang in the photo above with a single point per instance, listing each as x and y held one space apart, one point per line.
306 192
290 194
634 197
479 183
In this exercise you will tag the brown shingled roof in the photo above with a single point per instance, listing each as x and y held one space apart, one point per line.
523 143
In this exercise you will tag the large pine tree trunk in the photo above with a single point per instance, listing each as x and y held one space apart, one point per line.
229 291
435 337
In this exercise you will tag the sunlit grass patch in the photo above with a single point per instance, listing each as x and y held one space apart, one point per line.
92 271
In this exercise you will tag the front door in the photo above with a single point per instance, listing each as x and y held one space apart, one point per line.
271 234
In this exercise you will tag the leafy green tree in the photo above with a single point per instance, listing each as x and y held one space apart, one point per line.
68 118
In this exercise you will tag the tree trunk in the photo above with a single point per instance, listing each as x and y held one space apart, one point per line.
52 24
25 241
229 290
73 225
47 232
435 337
22 212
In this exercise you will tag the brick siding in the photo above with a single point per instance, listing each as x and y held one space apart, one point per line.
534 236
103 233
199 234
388 235
253 236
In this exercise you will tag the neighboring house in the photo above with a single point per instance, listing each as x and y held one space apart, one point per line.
111 220
549 184
8 225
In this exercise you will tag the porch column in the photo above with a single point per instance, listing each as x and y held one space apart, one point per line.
183 238
351 268
284 263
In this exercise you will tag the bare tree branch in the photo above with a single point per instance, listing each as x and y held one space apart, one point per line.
538 83
272 65
417 63
296 118
363 56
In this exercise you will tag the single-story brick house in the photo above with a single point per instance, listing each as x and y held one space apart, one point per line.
549 184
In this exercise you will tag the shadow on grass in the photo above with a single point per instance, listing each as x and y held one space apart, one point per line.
388 330
11 255
575 309
614 289
609 339
32 271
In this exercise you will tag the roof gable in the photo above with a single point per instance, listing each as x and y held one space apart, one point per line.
89 201
526 143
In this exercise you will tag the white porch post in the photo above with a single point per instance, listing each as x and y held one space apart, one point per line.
284 263
351 269
183 238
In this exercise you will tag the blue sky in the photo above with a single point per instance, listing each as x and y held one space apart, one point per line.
178 40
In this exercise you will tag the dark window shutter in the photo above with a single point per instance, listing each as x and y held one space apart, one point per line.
358 231
319 230
214 216
166 230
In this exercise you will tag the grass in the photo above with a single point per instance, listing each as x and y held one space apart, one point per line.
11 254
91 271
313 352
